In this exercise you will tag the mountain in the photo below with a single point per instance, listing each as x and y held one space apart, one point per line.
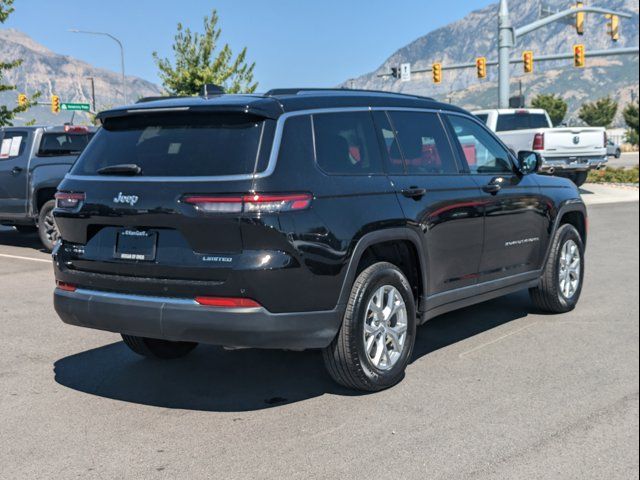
476 35
51 73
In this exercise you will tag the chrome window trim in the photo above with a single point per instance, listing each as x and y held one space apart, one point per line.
273 155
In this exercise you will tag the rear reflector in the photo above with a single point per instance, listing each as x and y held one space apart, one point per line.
67 287
68 200
256 203
227 302
538 141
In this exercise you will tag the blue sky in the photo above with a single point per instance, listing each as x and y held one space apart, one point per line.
293 42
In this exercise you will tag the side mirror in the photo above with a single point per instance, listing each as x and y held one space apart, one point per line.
529 162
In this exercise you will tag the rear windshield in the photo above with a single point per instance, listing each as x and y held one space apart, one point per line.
60 144
180 144
521 121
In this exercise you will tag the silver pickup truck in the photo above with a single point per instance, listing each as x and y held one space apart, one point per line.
33 161
566 151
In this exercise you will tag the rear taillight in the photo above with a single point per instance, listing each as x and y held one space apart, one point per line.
227 302
67 287
605 140
68 200
255 203
538 141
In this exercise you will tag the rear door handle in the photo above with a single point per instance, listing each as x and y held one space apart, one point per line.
414 192
15 171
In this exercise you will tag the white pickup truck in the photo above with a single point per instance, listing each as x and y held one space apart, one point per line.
566 151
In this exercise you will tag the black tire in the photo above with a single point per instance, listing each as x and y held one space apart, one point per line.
579 178
548 295
154 348
618 153
26 229
47 229
346 357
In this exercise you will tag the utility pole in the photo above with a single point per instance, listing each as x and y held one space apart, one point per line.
506 42
93 93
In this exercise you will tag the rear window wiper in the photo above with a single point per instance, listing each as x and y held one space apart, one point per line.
121 169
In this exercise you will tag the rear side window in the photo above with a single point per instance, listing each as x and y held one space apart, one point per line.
423 143
180 144
346 143
521 121
12 144
59 144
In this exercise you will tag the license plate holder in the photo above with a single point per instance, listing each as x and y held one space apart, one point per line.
137 245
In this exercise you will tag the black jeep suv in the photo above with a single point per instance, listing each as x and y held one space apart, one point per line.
298 219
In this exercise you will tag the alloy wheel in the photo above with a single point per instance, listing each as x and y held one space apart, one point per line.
569 271
385 327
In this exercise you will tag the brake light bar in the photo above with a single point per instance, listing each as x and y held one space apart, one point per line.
538 141
227 302
68 200
254 203
76 129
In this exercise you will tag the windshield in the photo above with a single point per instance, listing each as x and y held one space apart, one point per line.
521 121
482 117
179 144
61 144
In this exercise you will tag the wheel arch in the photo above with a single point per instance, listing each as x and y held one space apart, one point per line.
573 212
382 240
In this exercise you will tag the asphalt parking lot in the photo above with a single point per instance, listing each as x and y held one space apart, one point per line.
629 159
494 391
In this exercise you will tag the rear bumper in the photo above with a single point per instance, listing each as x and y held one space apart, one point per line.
185 320
572 164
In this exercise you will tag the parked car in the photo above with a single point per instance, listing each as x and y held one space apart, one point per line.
306 219
566 151
33 161
613 149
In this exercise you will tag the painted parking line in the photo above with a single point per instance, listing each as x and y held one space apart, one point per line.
18 257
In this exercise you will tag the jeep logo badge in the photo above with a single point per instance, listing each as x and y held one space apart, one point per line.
128 199
576 140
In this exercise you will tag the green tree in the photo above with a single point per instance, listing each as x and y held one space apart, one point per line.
198 61
8 114
599 113
555 106
630 114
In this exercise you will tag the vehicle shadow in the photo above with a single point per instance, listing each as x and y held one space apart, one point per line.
10 237
213 379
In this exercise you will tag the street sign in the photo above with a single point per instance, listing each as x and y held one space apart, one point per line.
405 72
82 107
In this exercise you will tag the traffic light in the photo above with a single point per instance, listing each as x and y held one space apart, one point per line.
613 27
527 60
55 104
579 19
481 67
395 72
578 56
437 72
22 100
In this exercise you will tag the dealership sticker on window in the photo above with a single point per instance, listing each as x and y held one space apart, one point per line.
14 149
5 148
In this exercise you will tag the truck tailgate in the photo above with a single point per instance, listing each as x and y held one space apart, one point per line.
574 142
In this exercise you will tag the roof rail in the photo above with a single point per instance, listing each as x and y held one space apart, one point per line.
296 91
